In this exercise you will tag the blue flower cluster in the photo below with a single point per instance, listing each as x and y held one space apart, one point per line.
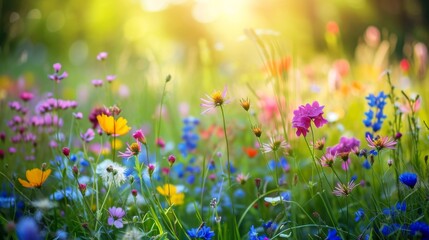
203 232
375 116
189 136
254 235
419 230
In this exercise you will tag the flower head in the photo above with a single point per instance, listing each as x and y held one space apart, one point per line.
171 193
139 136
35 178
327 160
112 173
274 145
306 114
102 56
132 150
344 147
245 103
115 218
409 179
380 143
57 77
216 99
88 136
344 190
202 232
111 126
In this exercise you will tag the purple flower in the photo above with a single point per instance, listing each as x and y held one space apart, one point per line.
304 115
110 78
57 77
116 215
344 148
88 135
97 82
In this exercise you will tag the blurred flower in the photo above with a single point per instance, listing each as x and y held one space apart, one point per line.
253 235
404 64
380 143
344 190
111 173
377 103
110 78
56 76
245 103
203 233
139 136
409 179
217 99
88 136
171 193
275 144
97 82
332 27
133 234
257 131
190 137
344 148
115 218
94 113
26 96
27 229
320 144
241 178
332 235
419 229
250 152
35 178
304 115
412 107
372 36
45 204
327 160
160 142
102 56
78 115
359 214
113 127
421 59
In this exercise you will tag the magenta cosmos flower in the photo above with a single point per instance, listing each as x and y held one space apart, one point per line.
304 115
116 215
216 99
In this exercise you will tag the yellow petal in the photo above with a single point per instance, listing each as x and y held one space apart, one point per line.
25 183
34 176
45 175
160 190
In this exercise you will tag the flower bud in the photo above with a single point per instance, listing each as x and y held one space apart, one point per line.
134 192
171 159
75 171
66 151
82 188
150 169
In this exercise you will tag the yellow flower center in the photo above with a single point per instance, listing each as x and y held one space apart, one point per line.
217 98
135 148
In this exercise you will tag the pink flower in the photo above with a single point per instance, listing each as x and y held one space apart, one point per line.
217 99
102 56
26 96
56 76
304 115
97 82
380 143
110 78
116 215
139 136
88 136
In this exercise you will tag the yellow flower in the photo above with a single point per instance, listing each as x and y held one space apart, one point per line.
36 177
113 127
170 192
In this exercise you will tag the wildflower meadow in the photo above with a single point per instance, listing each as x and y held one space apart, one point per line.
246 135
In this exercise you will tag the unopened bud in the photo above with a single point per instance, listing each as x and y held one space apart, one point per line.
171 160
82 188
75 171
134 192
258 183
150 169
66 151
43 166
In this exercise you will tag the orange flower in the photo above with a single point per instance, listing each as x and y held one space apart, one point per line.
113 127
36 177
251 152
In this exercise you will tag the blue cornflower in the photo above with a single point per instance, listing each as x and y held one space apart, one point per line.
366 164
359 214
401 206
332 235
409 179
420 229
27 229
253 235
203 232
375 116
